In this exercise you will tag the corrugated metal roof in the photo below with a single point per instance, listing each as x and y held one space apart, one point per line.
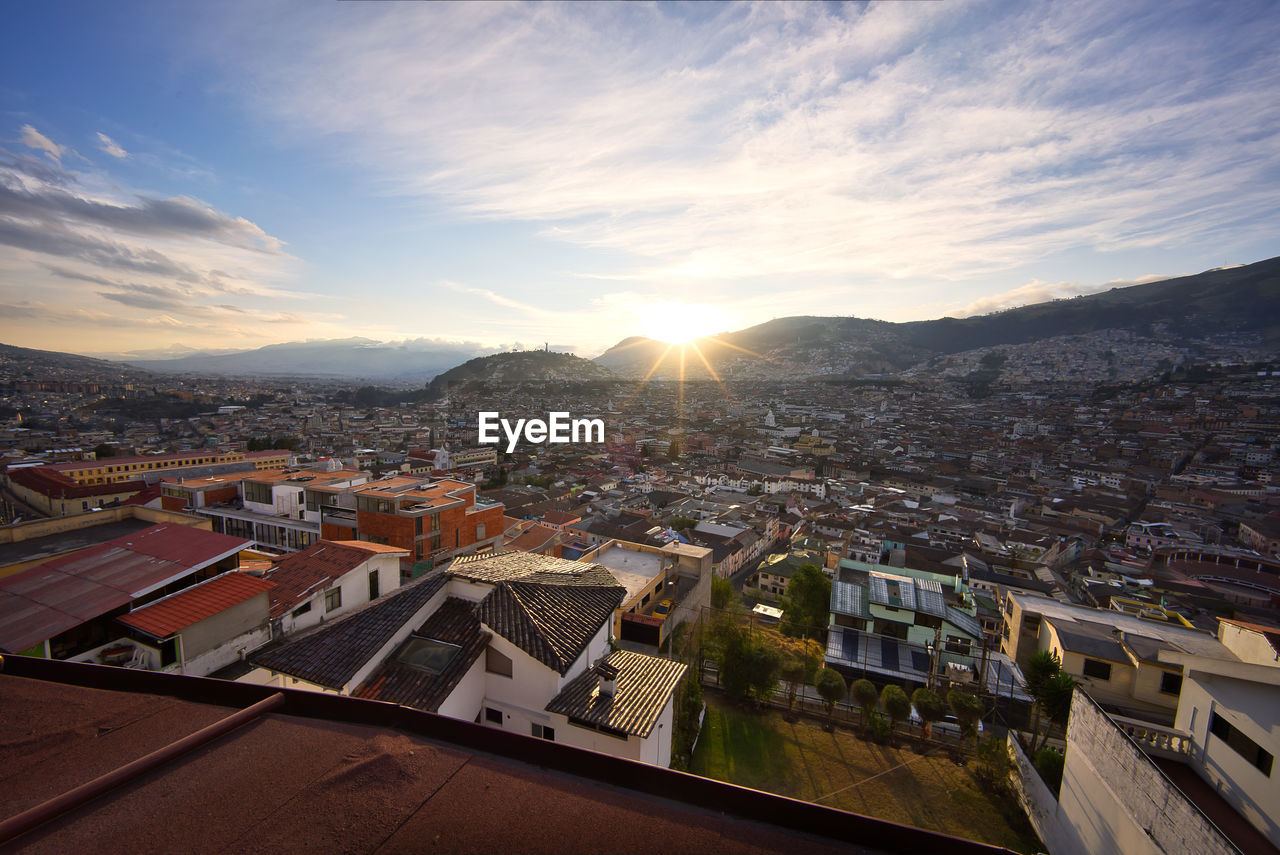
849 599
929 597
62 593
964 622
644 685
888 589
176 612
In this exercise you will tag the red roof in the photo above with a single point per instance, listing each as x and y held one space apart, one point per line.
299 575
178 611
66 591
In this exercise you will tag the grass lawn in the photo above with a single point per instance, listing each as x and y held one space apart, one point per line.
801 760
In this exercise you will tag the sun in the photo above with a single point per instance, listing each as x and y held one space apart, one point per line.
675 322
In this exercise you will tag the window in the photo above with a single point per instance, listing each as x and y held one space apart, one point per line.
959 644
1170 683
1241 744
496 663
332 599
255 492
493 716
373 585
1097 670
543 732
302 609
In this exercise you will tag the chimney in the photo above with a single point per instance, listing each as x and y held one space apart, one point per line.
608 676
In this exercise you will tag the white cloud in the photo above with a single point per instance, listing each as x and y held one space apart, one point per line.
32 138
893 141
111 147
1037 291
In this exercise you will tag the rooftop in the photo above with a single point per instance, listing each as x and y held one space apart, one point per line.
644 685
323 773
176 612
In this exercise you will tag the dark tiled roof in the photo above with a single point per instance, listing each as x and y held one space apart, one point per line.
332 654
550 622
454 622
644 685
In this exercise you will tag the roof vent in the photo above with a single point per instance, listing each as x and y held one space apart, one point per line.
608 675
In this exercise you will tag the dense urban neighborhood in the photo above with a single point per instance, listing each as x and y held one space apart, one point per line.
1070 588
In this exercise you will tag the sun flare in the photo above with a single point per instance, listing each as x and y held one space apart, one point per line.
677 323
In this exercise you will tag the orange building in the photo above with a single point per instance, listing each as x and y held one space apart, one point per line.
433 519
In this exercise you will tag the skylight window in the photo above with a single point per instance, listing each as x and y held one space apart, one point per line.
427 654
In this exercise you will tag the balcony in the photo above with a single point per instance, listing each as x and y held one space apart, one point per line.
1156 740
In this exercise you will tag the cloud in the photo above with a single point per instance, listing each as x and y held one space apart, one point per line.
111 147
1037 291
32 138
833 143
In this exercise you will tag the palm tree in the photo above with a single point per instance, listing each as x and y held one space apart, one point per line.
1055 697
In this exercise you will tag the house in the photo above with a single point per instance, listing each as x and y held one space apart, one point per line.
66 607
516 641
329 579
200 629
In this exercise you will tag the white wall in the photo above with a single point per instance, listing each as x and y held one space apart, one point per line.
355 593
524 694
1254 709
232 650
467 698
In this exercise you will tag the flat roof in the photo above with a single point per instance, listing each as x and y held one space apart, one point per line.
329 773
1063 615
51 545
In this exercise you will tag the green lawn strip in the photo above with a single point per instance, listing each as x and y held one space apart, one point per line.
801 760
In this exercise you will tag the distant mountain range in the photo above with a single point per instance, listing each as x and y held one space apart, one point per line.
1243 299
1237 301
414 361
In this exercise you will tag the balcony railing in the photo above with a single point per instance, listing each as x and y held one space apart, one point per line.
1155 740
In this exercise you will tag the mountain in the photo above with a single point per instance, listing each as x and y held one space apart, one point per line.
412 361
47 364
518 368
1236 301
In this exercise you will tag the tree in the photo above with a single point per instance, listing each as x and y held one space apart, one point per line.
103 450
808 603
1055 697
929 707
968 709
831 686
895 703
1040 668
1049 762
867 695
722 594
679 523
792 673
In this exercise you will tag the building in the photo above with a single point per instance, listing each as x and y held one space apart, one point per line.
433 519
328 579
318 771
1122 660
517 641
66 607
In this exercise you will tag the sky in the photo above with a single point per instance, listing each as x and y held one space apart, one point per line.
227 175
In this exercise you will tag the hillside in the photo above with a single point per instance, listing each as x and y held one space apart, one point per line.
1239 301
17 362
516 369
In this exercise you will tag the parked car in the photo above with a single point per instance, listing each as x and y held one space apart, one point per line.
663 608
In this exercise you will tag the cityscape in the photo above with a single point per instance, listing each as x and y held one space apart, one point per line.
639 444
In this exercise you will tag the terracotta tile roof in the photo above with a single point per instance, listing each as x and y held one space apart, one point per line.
300 574
332 654
552 623
644 685
455 622
536 538
176 612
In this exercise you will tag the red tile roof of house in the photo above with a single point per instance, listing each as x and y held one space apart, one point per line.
176 612
300 574
381 548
